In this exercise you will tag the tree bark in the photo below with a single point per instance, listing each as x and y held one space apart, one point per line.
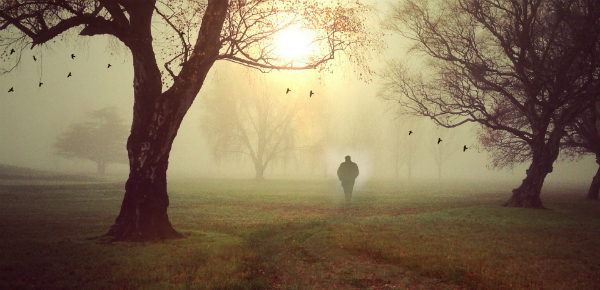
527 195
595 186
157 117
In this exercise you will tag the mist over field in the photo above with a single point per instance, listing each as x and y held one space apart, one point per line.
352 120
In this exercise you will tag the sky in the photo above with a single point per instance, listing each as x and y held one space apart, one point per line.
32 117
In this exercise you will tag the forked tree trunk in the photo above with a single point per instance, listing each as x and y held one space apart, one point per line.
595 186
527 195
156 120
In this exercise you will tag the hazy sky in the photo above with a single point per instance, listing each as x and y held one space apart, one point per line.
32 117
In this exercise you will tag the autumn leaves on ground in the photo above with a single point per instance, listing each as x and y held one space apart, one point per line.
298 234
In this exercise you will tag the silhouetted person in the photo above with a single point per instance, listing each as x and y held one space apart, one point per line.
347 173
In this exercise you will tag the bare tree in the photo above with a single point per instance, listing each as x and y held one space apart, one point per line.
101 140
250 118
488 59
396 146
406 137
188 37
443 150
583 137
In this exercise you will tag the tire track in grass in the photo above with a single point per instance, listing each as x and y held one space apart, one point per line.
304 256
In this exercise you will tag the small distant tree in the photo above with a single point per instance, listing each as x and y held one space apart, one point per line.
101 139
406 136
444 150
256 122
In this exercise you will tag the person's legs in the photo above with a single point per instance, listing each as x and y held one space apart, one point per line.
348 193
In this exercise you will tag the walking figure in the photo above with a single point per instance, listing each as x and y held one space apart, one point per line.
347 173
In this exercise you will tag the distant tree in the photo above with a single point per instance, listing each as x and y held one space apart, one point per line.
583 137
444 150
250 119
406 137
488 59
396 147
101 140
187 37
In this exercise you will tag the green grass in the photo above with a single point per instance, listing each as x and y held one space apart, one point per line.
297 234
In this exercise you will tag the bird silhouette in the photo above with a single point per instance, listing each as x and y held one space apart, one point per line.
409 132
69 74
34 59
40 84
109 66
311 93
439 140
72 56
465 148
287 91
11 90
12 50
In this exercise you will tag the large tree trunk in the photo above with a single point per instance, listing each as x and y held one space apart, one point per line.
595 186
156 120
260 172
527 195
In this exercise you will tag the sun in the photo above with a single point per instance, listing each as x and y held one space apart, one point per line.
292 43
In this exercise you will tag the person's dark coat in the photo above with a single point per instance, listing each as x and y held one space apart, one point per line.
347 173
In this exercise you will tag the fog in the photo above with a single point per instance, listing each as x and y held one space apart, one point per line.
356 122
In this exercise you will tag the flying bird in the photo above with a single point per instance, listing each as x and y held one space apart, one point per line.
72 56
12 50
109 66
11 90
409 132
465 148
34 59
311 93
69 74
287 91
40 84
439 140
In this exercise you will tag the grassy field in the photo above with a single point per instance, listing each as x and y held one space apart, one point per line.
298 234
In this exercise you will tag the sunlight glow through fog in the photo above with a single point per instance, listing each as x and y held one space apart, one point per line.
292 43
